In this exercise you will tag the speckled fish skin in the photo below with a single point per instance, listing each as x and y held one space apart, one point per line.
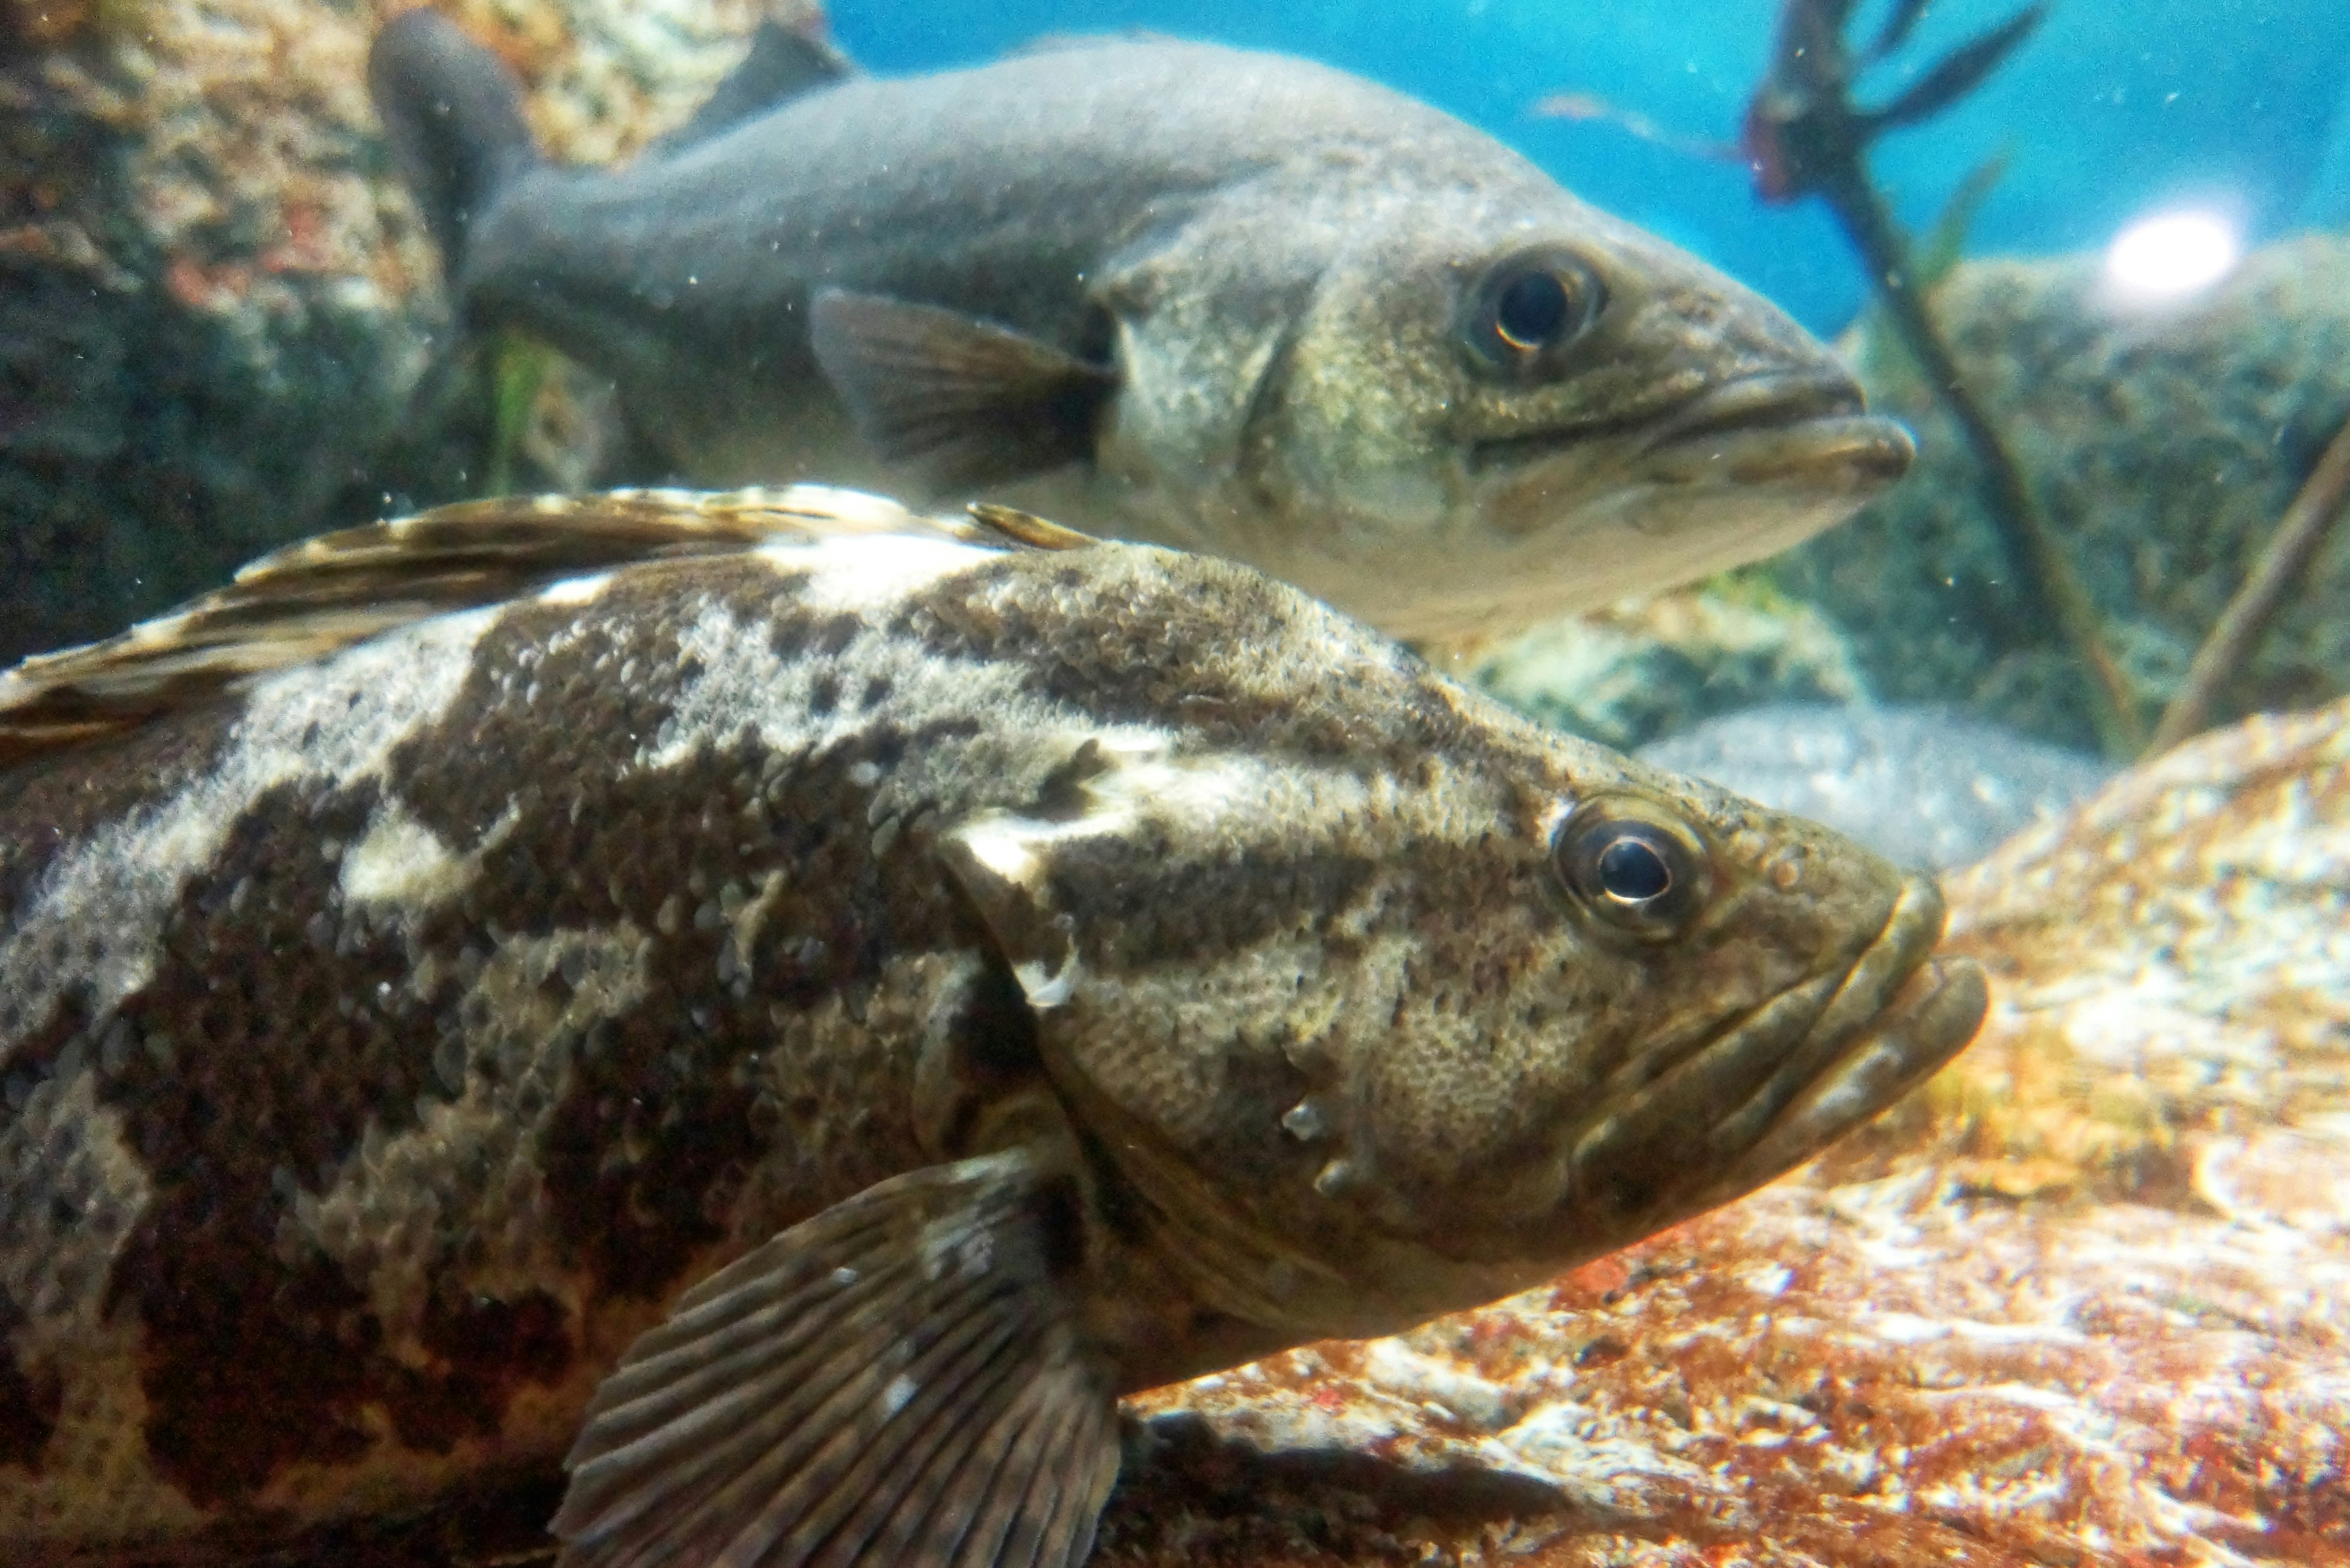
1169 965
1232 301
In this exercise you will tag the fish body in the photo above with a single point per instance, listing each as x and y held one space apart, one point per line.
1232 301
789 1008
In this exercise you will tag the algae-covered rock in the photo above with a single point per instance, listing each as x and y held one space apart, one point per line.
217 303
2163 445
1922 784
1660 665
2083 1299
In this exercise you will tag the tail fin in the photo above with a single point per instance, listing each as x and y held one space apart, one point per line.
454 116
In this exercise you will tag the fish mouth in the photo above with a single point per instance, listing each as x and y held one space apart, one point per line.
1899 1014
1774 426
1778 425
1780 1083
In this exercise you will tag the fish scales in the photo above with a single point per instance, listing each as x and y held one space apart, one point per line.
1091 964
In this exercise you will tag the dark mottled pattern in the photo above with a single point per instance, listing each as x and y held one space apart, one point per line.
1151 651
1130 915
275 1033
498 1521
486 1350
661 1123
30 1397
279 1027
69 795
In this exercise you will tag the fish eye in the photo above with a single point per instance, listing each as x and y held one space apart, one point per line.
1633 867
1531 310
1529 307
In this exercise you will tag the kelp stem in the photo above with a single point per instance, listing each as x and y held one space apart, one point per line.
2324 495
2030 543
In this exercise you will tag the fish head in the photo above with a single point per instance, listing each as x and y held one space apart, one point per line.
1439 1004
1485 418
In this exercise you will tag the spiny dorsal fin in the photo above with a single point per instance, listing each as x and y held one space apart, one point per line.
313 598
783 64
1026 528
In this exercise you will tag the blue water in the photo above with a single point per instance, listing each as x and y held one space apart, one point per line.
2116 107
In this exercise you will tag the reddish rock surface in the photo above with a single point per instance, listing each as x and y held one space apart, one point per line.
2086 1299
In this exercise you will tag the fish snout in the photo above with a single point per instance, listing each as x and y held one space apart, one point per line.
1780 1082
1899 1014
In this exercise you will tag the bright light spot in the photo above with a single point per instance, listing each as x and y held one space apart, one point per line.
2170 256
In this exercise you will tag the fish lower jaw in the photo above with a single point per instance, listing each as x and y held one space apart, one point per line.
1896 1016
1775 1086
1929 1017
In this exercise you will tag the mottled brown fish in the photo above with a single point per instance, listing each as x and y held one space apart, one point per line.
1233 301
797 1007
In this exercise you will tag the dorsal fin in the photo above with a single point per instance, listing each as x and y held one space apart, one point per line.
311 600
783 64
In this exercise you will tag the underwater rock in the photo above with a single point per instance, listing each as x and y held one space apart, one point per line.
1924 785
2083 1299
1657 667
2164 448
215 302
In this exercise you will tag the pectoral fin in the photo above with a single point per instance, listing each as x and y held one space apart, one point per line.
900 1380
961 402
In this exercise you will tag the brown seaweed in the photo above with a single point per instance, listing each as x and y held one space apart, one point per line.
2307 524
1806 135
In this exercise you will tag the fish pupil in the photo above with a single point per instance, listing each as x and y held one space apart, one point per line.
1631 869
1531 310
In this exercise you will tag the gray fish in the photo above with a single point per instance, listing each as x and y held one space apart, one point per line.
798 1006
1236 302
1923 785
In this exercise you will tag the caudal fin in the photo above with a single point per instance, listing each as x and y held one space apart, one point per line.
454 116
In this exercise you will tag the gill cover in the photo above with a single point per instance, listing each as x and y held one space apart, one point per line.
1161 914
1134 866
1116 806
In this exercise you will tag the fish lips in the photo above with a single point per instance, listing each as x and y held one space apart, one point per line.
1782 1082
1781 428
